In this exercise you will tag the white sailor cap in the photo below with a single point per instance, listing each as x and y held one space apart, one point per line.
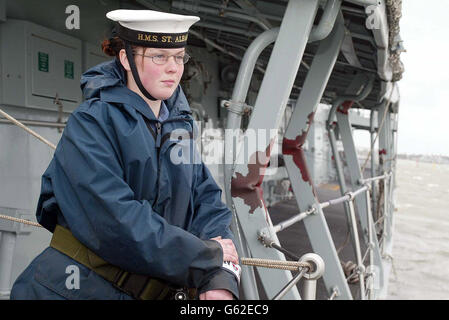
150 28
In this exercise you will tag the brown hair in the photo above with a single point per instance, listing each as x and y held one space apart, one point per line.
112 46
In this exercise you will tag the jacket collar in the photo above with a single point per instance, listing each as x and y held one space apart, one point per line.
123 95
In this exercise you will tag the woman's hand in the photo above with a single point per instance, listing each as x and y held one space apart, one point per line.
219 294
229 254
229 251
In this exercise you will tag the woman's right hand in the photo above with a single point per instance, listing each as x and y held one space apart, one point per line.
229 251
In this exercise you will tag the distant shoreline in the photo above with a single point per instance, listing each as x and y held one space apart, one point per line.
439 159
428 158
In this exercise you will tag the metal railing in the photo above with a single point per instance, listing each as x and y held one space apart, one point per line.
365 275
310 266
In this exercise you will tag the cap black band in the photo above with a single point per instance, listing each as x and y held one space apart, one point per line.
152 39
132 65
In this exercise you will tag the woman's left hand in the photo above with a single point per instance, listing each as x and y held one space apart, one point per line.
219 294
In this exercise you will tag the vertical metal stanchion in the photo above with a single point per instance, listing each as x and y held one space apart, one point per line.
311 277
373 160
309 289
341 178
7 245
383 115
360 266
390 213
371 233
385 215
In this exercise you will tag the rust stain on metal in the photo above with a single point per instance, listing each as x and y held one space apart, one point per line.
295 149
249 187
345 106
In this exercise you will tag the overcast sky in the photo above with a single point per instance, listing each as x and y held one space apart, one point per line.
424 109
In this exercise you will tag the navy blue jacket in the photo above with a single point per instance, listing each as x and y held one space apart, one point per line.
130 194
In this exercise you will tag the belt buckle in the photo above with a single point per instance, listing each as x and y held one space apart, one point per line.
181 294
120 279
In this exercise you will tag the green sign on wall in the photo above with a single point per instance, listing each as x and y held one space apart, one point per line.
68 69
43 61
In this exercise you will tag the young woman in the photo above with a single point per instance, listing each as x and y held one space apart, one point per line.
127 221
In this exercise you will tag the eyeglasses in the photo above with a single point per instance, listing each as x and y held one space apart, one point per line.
161 59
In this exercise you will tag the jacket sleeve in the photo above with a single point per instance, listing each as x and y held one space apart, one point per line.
222 280
102 212
212 216
212 219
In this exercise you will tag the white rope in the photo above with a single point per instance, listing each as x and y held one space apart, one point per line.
275 264
31 223
51 145
21 125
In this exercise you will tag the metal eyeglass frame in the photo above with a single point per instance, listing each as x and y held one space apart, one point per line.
185 58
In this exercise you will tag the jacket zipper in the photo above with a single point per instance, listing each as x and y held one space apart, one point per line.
158 148
158 136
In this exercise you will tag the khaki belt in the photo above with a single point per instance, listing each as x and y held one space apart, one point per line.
140 287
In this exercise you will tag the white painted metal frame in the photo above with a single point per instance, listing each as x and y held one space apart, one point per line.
272 99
